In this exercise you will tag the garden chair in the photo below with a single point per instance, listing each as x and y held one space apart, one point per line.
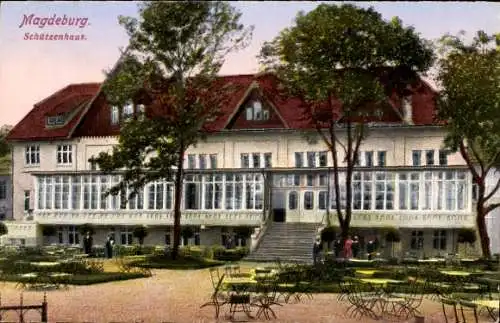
266 297
467 305
216 299
449 302
362 303
406 304
239 300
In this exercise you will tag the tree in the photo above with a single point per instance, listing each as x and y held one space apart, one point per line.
344 62
140 232
4 145
469 108
176 50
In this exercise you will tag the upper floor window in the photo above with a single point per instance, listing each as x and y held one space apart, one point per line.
255 111
429 157
203 161
64 154
255 160
56 120
128 110
416 158
323 159
3 190
369 158
115 115
32 155
299 162
191 161
381 158
268 160
443 157
213 161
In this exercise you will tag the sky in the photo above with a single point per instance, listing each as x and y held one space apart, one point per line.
31 70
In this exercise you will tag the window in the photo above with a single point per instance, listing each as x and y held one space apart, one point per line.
168 240
357 160
213 161
292 200
191 161
439 241
362 190
268 161
203 161
27 200
322 200
255 111
443 157
416 157
323 159
73 235
64 154
417 240
245 161
32 155
213 191
140 108
2 216
311 159
126 237
308 200
128 111
309 180
115 115
323 179
299 161
57 120
369 158
60 235
381 158
384 191
429 157
3 190
256 160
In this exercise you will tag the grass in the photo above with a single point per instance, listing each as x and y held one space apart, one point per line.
90 279
181 263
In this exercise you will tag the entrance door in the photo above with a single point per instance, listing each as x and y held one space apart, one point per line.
279 206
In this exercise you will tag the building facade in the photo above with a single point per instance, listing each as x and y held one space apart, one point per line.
257 165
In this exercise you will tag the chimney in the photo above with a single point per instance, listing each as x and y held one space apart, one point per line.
407 109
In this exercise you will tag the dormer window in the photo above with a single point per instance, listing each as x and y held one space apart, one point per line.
255 111
57 120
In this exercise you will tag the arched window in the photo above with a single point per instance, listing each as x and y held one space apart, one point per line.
292 200
308 200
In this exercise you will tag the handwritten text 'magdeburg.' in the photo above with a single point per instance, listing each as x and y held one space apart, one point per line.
54 20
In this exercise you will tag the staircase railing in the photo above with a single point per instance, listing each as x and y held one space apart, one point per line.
259 233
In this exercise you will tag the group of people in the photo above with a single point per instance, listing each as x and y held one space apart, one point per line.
88 242
350 249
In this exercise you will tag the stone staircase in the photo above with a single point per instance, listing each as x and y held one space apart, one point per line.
286 241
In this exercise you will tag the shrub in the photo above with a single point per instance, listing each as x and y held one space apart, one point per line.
392 235
49 231
328 234
208 253
230 254
140 232
466 235
3 229
87 227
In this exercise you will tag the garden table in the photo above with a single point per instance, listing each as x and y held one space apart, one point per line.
495 304
365 272
455 273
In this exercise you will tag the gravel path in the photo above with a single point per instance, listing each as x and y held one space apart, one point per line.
169 296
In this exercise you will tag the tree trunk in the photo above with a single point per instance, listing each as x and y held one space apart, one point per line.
177 205
483 233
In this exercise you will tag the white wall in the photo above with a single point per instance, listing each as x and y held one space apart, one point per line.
398 142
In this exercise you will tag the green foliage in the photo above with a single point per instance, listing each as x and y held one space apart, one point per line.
176 50
3 229
187 232
49 231
392 235
140 232
4 145
466 235
328 234
469 106
86 227
344 61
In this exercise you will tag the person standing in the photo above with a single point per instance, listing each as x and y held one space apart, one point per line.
87 243
317 247
109 246
348 248
355 247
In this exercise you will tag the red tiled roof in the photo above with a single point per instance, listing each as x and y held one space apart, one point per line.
66 100
32 127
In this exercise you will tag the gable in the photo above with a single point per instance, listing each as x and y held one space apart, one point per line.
255 112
